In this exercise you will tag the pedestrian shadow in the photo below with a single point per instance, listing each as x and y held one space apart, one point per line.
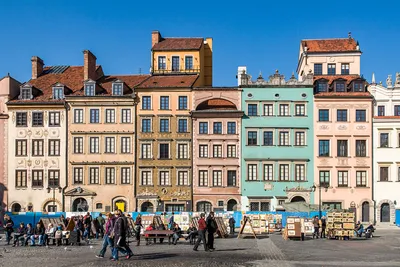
232 249
155 256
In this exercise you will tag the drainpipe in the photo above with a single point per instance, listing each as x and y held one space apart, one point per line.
191 117
66 158
135 165
373 160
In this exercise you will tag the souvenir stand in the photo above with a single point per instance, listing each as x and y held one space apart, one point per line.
293 227
246 228
340 225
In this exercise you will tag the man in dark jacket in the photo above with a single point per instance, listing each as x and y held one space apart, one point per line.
120 237
211 229
202 233
323 227
232 225
38 233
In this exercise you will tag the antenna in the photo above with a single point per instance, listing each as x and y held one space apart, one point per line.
140 71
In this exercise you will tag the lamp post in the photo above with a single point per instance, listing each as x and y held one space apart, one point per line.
313 188
54 188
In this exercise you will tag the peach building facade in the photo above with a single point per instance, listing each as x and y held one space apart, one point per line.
216 119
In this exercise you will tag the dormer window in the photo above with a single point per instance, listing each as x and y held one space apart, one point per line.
340 87
58 92
322 87
358 86
117 88
26 93
90 89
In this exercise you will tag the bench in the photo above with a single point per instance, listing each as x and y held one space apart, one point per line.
159 234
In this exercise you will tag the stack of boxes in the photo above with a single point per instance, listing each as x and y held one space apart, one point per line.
341 224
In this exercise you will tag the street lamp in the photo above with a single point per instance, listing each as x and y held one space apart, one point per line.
54 188
313 189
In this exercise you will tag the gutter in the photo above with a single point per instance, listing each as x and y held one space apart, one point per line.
66 158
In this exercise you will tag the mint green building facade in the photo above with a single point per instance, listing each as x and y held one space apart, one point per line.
277 161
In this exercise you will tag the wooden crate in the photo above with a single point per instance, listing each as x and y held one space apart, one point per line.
338 226
348 226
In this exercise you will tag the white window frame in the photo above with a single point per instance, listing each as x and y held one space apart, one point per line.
126 175
218 151
252 168
300 172
182 154
166 179
285 112
148 150
109 144
182 180
286 139
268 109
300 138
217 177
284 172
126 144
268 171
78 173
300 109
54 119
231 150
126 115
121 87
94 145
96 172
110 115
109 175
78 115
148 178
202 179
90 115
203 150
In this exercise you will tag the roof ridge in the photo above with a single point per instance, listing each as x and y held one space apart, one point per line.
183 38
322 39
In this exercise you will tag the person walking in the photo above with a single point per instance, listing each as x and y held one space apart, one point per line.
108 238
101 222
171 222
120 237
201 233
211 229
323 226
9 228
138 227
232 225
316 227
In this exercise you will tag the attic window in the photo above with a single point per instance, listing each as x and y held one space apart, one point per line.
58 92
358 86
322 87
117 88
90 89
340 87
26 93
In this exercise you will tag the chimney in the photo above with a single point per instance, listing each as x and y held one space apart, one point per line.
155 38
37 66
89 65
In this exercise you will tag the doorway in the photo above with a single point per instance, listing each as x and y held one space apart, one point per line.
385 212
365 211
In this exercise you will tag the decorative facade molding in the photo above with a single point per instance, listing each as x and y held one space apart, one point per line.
275 80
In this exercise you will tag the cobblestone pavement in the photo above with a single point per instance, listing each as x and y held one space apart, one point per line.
382 250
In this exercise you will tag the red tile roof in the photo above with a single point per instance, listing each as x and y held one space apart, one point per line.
172 81
216 104
330 45
130 81
168 44
331 78
387 117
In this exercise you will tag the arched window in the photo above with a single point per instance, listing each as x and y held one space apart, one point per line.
99 206
16 207
147 207
80 204
120 204
204 206
232 205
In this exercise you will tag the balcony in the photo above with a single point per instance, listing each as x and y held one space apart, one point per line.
177 70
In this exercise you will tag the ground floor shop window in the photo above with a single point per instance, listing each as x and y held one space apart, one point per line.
174 207
332 205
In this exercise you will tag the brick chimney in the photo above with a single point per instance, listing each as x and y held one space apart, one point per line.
89 65
155 38
37 66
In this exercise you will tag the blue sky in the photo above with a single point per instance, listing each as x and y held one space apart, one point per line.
262 35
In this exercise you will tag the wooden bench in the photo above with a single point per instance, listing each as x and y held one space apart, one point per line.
159 234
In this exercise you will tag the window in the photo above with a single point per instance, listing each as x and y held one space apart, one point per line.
183 152
164 151
317 69
110 115
203 178
20 147
322 87
58 92
146 125
89 89
203 127
323 115
283 138
384 140
54 118
358 87
300 139
78 145
182 126
94 145
361 178
164 102
252 109
146 102
164 125
78 175
331 69
22 120
217 127
78 115
188 62
231 127
26 93
383 174
110 175
268 110
361 148
126 116
164 177
361 115
54 147
283 172
252 138
183 178
345 69
268 138
146 178
323 148
94 116
37 118
342 148
217 178
54 178
37 178
162 63
254 206
381 110
20 178
175 63
231 149
110 145
332 205
125 145
342 115
283 110
252 172
300 110
264 206
268 172
146 151
94 175
203 151
217 151
300 172
117 89
183 102
231 178
396 110
340 87
343 178
324 178
37 147
125 175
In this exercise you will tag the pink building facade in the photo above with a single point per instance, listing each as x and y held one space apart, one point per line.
216 149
